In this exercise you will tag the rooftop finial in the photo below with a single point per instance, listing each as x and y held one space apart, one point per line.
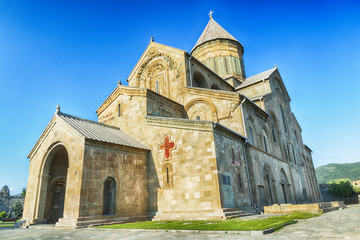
210 14
57 109
119 83
275 65
151 39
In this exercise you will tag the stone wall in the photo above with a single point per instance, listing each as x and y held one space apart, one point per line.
126 166
233 181
193 185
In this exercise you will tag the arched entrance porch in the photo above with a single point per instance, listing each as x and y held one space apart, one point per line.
53 184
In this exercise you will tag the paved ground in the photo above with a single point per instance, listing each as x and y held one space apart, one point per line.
341 224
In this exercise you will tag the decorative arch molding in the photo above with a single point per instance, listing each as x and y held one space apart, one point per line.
269 181
265 139
109 195
47 182
154 54
199 80
285 185
252 133
209 103
267 169
49 154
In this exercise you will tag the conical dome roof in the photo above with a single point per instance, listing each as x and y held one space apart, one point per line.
213 31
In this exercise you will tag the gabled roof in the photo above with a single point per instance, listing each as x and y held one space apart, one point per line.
257 78
100 132
213 31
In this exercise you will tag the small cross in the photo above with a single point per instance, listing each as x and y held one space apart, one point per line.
210 14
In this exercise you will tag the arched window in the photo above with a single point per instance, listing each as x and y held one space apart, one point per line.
240 182
250 124
119 110
273 133
226 67
157 87
265 140
167 175
265 144
199 80
251 136
283 117
268 186
109 197
288 152
198 118
215 65
214 86
293 152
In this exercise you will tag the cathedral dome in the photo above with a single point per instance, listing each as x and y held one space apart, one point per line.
220 51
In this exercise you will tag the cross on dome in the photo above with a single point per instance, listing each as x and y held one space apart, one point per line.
210 14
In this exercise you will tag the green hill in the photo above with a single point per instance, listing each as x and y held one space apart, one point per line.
335 171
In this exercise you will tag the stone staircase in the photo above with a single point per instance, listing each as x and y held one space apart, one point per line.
237 212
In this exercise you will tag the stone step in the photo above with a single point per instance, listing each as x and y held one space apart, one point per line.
236 212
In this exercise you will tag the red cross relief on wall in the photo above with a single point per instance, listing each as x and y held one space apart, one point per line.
167 146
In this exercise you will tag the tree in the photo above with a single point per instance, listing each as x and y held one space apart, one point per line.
23 193
5 191
2 214
18 210
341 187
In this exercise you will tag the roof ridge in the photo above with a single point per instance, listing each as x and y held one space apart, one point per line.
274 68
87 120
257 77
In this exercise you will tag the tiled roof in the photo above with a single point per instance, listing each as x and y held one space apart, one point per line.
256 78
100 132
213 31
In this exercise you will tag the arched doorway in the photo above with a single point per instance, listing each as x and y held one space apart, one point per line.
53 184
57 198
285 187
269 187
109 197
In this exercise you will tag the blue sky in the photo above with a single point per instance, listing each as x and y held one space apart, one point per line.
74 52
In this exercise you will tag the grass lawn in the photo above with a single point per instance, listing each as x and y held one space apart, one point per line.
235 224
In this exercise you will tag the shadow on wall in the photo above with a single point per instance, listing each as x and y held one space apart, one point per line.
153 186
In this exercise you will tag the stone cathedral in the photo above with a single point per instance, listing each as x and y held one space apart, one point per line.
190 137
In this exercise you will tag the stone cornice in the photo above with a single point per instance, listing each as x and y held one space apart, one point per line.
164 100
120 89
90 142
180 123
218 128
54 120
135 91
260 150
257 110
219 94
189 124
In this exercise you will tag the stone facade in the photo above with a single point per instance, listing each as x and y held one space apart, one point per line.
204 139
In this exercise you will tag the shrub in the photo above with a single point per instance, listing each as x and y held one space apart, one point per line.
341 187
2 214
18 210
